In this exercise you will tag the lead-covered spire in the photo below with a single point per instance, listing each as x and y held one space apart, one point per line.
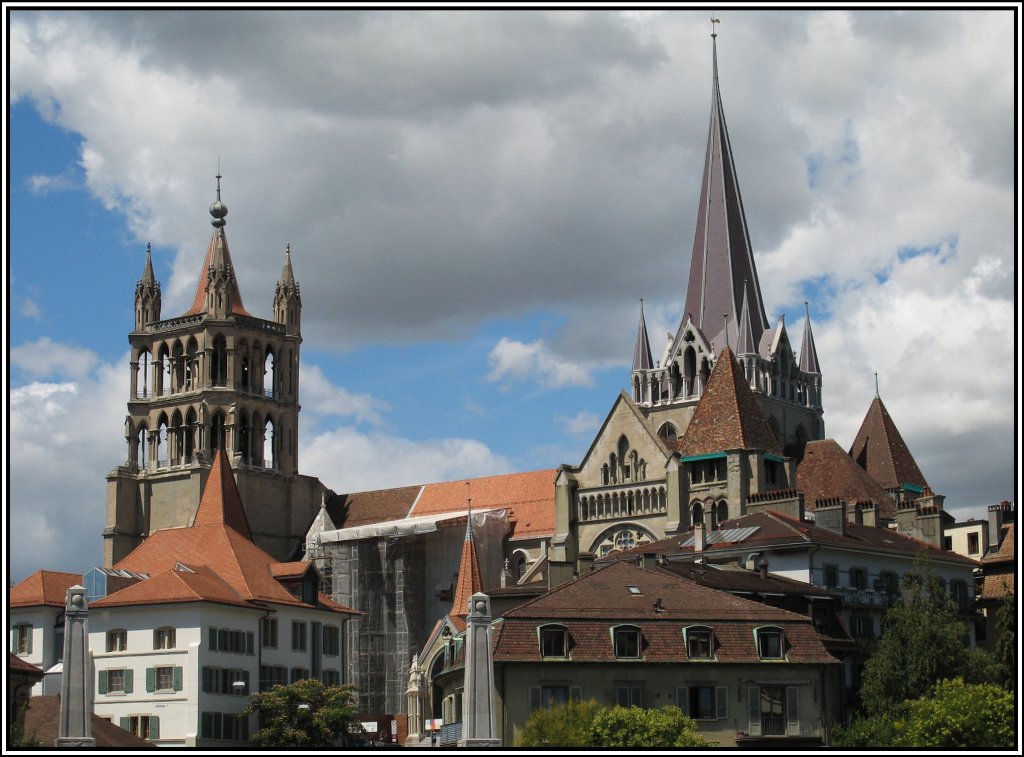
642 351
722 259
808 353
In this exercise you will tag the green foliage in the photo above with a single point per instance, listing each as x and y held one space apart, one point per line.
329 717
565 725
959 715
1006 642
18 738
631 727
865 732
923 641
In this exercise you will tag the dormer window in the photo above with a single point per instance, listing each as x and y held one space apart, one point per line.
698 641
554 641
770 643
626 642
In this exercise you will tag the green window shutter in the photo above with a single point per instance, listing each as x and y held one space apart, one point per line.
250 642
683 699
213 639
128 681
792 711
150 679
721 702
28 647
154 727
177 678
126 723
754 710
101 686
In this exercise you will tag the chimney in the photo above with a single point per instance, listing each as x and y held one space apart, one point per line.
868 513
762 567
698 542
648 560
854 514
584 563
829 514
998 516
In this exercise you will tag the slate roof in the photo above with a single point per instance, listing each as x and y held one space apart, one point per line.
827 471
44 587
880 450
42 723
361 508
727 415
592 604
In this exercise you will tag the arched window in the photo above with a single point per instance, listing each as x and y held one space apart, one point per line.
178 366
162 453
142 447
697 513
188 435
719 514
217 432
243 443
219 362
618 538
165 371
176 443
269 382
668 432
191 370
689 369
143 377
269 461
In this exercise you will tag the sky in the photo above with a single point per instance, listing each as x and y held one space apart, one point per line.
477 201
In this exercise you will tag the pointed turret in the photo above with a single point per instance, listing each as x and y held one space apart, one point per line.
469 582
722 259
808 353
745 344
217 292
147 294
287 300
221 503
642 351
728 416
880 450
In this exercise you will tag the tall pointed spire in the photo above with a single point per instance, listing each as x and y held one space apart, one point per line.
722 259
287 300
808 353
217 267
642 352
147 294
469 582
745 344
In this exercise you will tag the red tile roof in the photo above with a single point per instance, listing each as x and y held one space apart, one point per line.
727 415
19 665
221 502
44 587
880 450
290 569
827 472
192 584
529 497
42 724
362 508
469 582
216 252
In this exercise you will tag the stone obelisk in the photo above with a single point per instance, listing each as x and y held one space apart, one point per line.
478 700
76 680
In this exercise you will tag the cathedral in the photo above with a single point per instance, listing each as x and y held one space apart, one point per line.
714 425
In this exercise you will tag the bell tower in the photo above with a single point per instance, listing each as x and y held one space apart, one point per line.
214 378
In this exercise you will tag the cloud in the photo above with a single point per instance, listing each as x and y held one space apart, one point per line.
45 358
512 360
348 460
583 424
322 398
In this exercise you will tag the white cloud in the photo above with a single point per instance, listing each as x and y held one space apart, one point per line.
42 184
585 424
322 398
349 460
45 358
512 360
28 308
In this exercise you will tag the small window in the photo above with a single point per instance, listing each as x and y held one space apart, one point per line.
627 642
554 641
22 642
117 640
143 726
332 640
115 681
331 677
300 674
972 544
163 638
165 678
862 626
769 644
629 696
890 581
831 575
298 636
858 578
268 632
698 643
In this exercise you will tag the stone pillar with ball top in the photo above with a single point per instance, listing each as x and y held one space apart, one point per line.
479 697
76 695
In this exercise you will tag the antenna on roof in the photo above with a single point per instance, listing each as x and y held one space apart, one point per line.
876 385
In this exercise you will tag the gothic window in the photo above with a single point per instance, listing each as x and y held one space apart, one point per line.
162 455
141 447
219 362
689 369
604 474
246 374
719 514
620 538
177 437
668 432
189 436
217 432
269 460
178 366
697 513
165 371
143 377
191 366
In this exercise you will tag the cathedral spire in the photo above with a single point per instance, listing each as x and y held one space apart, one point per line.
642 352
722 259
808 354
745 344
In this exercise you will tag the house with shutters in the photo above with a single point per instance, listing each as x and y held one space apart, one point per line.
750 674
195 619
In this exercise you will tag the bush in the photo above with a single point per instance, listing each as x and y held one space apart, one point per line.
632 727
958 715
565 725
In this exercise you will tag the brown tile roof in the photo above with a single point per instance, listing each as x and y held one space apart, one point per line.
19 665
196 583
44 587
529 497
880 450
736 579
221 502
827 471
727 415
1000 568
216 253
590 605
295 569
1007 549
469 582
362 508
42 723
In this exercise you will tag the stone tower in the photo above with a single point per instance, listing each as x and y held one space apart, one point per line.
724 308
214 378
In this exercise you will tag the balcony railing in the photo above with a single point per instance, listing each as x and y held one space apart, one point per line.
779 727
450 734
621 501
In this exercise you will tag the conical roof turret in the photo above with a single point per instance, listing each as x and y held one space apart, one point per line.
808 353
217 265
642 351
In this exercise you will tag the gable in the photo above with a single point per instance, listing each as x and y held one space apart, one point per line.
624 428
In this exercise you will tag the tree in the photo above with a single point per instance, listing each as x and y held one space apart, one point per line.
923 641
564 725
631 727
305 713
960 715
1006 642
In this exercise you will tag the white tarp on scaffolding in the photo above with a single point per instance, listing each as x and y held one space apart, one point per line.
422 524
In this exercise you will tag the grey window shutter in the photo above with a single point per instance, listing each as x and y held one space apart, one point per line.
101 686
177 678
683 699
249 642
754 710
28 646
637 698
128 681
154 727
721 702
150 679
126 724
792 710
534 698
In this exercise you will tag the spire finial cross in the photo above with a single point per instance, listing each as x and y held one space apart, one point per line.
876 385
713 22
